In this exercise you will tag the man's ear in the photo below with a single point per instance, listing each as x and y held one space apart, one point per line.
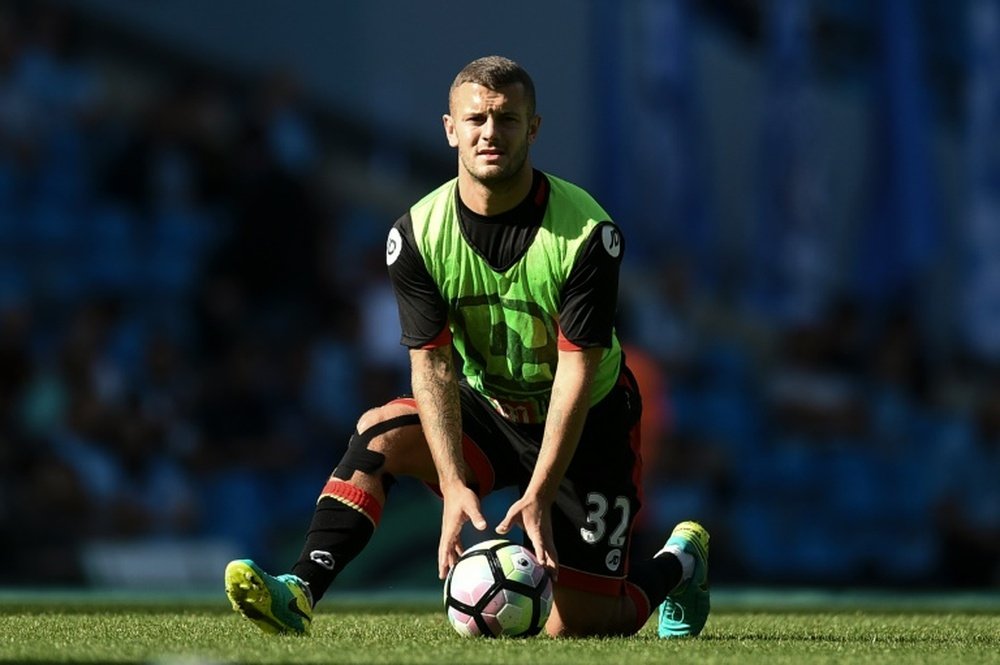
533 124
449 130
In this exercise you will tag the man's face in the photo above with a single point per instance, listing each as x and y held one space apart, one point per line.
492 131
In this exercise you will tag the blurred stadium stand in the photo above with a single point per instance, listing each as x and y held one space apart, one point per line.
192 294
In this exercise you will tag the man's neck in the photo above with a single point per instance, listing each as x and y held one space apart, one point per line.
489 200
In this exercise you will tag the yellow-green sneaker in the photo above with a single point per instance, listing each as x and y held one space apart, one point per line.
281 604
685 610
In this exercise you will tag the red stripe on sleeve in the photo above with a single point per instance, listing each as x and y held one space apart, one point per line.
443 339
564 344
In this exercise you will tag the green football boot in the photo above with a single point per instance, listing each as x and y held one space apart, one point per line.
685 610
281 604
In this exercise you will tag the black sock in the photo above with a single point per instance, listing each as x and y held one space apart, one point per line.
337 534
657 577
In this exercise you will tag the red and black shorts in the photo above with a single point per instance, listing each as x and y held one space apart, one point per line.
600 494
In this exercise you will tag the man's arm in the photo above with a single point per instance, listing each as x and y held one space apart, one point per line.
435 389
568 407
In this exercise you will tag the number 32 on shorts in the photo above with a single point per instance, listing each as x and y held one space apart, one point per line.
598 518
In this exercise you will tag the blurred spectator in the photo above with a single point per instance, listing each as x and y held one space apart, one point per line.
967 515
899 385
243 451
331 371
167 390
809 394
289 134
52 516
385 372
152 495
16 128
663 314
274 250
15 360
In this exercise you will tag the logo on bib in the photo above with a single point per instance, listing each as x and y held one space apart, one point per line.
612 240
393 245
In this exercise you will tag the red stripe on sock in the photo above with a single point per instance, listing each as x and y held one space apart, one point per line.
353 497
641 603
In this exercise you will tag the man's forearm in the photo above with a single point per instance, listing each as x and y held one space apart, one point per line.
567 413
435 389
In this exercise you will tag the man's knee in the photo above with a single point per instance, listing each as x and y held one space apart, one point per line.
367 449
387 441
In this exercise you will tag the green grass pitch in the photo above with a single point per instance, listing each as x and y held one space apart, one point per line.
746 627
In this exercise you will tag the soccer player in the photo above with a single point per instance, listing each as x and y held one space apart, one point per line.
514 272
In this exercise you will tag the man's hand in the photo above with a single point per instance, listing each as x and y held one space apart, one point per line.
535 518
461 505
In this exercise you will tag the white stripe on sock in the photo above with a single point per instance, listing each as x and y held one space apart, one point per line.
687 561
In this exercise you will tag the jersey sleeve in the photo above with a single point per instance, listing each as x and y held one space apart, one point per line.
590 295
423 314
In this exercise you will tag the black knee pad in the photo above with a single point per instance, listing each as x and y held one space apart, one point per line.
359 458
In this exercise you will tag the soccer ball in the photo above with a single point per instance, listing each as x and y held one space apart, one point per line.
498 588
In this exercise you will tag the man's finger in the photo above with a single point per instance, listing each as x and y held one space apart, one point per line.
505 524
446 557
545 555
552 565
442 565
478 521
548 560
512 517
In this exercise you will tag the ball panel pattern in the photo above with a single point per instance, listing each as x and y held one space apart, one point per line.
498 588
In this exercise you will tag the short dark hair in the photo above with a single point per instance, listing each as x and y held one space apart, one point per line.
495 72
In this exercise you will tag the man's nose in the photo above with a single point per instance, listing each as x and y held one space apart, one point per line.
489 128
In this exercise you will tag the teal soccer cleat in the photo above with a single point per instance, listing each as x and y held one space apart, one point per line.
281 604
685 610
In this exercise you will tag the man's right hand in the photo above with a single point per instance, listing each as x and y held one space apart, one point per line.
461 505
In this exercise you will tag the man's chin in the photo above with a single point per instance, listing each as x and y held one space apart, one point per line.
494 174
